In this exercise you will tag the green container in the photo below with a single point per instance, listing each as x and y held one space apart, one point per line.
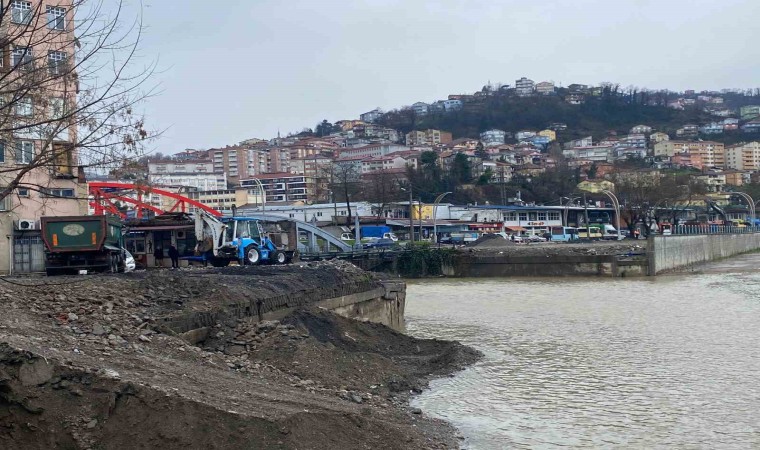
81 233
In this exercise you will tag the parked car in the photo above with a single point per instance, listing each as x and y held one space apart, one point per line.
129 262
379 243
534 238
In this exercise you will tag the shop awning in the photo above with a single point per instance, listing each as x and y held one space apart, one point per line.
516 229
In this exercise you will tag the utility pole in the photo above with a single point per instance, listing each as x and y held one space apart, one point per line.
419 215
411 219
585 214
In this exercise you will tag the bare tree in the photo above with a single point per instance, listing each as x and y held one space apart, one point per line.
345 182
70 83
382 188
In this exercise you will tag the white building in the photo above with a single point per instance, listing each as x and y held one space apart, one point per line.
545 88
371 116
493 137
524 87
195 174
420 108
452 105
524 135
594 153
199 181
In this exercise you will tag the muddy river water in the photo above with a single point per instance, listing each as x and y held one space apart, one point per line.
671 362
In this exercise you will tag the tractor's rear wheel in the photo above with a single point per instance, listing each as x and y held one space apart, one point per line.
252 255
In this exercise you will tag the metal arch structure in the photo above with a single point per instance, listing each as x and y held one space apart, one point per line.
103 194
312 233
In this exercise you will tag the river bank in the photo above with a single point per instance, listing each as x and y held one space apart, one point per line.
89 362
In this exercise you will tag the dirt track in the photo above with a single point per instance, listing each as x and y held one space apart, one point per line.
85 364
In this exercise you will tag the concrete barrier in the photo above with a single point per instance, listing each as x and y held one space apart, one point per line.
668 253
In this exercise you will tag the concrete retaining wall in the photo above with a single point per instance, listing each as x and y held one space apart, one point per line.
380 302
675 252
474 265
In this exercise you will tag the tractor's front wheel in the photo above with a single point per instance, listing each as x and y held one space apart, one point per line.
279 257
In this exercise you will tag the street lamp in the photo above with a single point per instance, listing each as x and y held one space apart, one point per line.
751 204
616 204
435 214
570 200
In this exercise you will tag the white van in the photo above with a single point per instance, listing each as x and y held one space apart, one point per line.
610 233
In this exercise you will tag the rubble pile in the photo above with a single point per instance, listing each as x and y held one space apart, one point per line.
87 362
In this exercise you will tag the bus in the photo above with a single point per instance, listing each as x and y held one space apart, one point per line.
591 232
564 234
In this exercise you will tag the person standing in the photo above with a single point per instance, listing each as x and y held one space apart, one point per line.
158 255
174 256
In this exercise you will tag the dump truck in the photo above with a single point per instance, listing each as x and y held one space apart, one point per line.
76 243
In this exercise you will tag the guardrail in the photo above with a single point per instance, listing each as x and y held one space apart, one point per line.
711 229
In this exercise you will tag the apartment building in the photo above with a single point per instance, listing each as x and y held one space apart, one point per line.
428 137
493 137
283 187
371 116
593 153
711 153
749 112
38 81
223 200
525 87
550 134
545 88
745 156
198 175
371 150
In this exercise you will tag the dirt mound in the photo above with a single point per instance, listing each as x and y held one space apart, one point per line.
365 359
85 363
491 241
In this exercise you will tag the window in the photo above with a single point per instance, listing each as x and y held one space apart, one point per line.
22 192
60 193
56 106
56 62
23 107
21 12
5 204
510 216
24 152
532 216
56 17
2 152
22 56
523 217
554 215
542 216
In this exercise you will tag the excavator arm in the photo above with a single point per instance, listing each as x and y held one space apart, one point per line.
209 232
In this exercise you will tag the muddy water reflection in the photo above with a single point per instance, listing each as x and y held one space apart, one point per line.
671 362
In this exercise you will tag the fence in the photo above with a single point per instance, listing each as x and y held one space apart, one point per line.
713 229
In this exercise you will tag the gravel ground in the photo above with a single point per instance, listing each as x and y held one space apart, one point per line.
84 364
503 246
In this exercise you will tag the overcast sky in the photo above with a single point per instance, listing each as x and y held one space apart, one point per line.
247 68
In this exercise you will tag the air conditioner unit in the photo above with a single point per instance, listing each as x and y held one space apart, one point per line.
27 224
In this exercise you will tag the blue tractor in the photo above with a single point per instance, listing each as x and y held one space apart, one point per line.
241 239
